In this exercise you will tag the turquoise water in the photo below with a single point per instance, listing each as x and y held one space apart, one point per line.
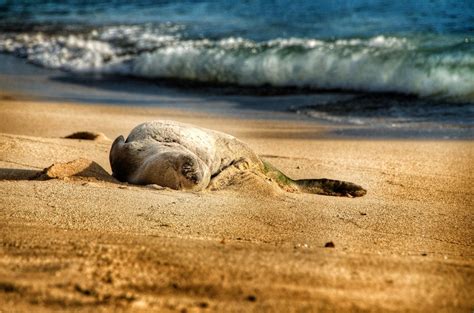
413 49
256 20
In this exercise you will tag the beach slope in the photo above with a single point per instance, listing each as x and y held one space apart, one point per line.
87 243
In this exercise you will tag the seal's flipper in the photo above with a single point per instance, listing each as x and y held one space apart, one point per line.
321 186
117 159
118 142
330 187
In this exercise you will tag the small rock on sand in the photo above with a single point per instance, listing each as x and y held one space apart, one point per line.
86 135
329 244
251 298
77 168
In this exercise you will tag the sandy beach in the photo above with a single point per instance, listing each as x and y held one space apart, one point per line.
89 244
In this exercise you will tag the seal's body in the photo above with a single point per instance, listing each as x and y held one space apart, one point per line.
175 155
186 157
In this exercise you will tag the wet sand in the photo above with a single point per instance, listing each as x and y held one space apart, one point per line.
86 244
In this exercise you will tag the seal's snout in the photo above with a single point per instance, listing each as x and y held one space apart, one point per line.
188 170
194 172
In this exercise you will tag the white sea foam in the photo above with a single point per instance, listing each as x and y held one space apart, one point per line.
138 37
378 64
388 64
72 53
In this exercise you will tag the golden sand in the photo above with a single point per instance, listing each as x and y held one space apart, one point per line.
85 244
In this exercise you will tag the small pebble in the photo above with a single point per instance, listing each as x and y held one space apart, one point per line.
203 304
140 304
329 244
251 298
299 245
155 186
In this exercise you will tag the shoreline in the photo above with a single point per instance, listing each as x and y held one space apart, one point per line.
82 243
46 85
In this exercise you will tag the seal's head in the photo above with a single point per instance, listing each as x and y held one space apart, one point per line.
192 173
165 164
173 169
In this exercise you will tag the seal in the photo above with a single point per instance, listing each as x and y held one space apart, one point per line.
185 157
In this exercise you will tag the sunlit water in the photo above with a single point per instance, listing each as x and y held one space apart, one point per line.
410 60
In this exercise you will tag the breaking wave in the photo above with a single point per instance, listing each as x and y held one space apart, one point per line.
421 66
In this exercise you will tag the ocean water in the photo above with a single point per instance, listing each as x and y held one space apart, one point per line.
397 62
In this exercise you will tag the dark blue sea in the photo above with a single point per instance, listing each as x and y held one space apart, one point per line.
360 61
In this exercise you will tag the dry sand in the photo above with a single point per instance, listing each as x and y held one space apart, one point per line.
83 244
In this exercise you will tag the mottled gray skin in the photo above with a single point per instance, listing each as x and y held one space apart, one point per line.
186 157
175 155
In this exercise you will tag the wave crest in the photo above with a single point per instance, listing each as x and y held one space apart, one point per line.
442 68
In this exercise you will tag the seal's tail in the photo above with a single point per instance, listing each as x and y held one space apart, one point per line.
320 186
